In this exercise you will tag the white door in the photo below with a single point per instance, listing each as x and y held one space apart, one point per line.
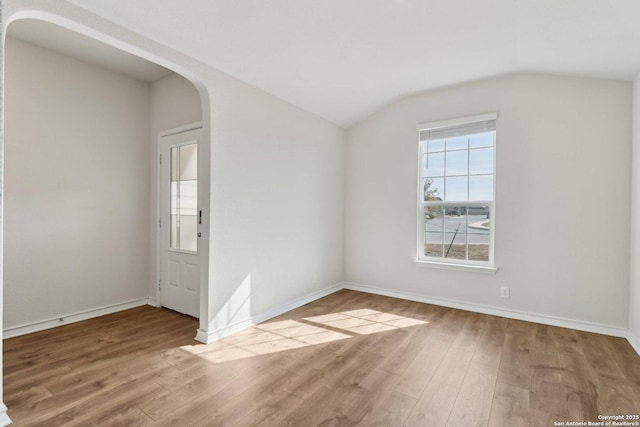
179 221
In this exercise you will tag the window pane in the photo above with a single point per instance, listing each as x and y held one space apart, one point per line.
433 244
479 237
455 219
455 245
480 188
456 189
462 233
478 251
481 140
478 215
433 219
184 197
174 199
479 226
457 163
174 164
457 143
435 145
433 164
481 161
188 197
189 162
433 189
173 214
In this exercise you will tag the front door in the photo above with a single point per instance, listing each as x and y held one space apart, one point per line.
179 221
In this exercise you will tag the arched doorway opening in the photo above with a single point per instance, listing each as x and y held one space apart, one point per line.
79 110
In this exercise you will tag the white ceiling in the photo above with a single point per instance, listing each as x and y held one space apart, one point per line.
344 59
72 44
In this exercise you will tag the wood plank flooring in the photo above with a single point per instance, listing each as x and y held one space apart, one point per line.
350 358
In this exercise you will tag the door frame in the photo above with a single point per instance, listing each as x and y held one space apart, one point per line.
203 199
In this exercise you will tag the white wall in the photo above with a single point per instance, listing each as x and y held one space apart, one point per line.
277 191
76 234
274 223
634 291
562 197
277 199
174 102
277 202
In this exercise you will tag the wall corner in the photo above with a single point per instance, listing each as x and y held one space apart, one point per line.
634 265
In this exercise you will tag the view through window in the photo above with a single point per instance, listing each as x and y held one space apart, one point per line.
457 190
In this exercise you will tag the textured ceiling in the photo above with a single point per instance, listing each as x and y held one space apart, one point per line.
344 59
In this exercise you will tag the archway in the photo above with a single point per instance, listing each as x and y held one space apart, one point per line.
75 19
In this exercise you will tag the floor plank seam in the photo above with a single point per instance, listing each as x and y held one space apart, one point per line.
456 367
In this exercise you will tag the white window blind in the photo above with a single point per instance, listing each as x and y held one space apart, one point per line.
455 131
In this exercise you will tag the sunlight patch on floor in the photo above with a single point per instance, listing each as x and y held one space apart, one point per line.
272 337
265 339
365 321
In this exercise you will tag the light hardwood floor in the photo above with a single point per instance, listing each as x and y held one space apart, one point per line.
347 359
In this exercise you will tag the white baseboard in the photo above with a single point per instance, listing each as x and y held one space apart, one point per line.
202 336
208 337
634 340
4 418
211 336
495 311
41 325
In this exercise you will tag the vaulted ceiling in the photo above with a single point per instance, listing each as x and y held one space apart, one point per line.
344 59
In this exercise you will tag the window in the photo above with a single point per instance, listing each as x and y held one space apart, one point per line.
456 196
184 197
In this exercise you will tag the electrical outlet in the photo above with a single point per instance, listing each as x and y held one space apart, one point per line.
504 292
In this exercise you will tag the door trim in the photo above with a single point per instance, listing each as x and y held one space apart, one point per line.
203 200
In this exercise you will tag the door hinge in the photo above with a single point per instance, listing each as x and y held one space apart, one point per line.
160 158
159 287
160 221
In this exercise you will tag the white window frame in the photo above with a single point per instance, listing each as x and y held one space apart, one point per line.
422 260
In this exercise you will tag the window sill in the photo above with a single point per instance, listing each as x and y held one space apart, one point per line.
458 267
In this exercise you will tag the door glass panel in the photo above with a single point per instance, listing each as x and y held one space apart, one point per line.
174 164
184 197
189 162
188 191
